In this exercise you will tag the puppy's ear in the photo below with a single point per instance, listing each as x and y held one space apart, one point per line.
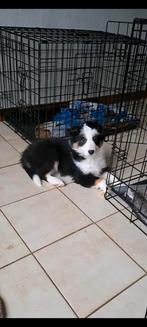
73 131
101 138
94 125
98 139
100 129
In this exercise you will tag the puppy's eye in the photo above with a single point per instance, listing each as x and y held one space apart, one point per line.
98 139
82 140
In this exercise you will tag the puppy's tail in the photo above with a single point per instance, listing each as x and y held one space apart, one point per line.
27 167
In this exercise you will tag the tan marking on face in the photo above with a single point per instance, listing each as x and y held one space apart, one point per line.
75 146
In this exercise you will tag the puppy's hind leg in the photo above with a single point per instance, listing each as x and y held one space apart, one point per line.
54 180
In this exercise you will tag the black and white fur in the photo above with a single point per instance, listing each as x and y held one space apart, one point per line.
83 160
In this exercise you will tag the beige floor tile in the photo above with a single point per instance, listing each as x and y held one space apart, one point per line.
141 227
136 151
45 218
116 201
128 236
15 184
19 144
132 303
7 132
28 292
92 268
130 140
8 155
91 201
12 248
134 136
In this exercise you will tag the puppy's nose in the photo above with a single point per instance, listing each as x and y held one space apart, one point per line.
91 151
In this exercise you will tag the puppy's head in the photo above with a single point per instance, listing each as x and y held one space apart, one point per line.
88 139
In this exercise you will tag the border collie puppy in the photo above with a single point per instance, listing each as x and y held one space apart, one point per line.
83 160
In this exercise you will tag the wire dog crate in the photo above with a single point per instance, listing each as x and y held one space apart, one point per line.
43 72
129 154
52 80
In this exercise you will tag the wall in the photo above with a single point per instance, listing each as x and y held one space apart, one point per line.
68 18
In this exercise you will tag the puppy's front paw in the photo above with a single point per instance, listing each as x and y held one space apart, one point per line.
54 180
101 184
60 184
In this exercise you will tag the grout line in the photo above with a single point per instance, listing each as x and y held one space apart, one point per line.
115 296
16 132
50 243
76 205
28 197
10 143
92 222
77 230
19 152
110 215
55 285
10 165
122 249
63 237
48 276
8 220
31 253
95 223
12 262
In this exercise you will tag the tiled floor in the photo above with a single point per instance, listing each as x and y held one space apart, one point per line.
65 252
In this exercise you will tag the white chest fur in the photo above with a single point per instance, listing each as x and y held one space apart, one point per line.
93 164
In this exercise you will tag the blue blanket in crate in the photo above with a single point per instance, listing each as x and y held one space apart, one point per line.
80 111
